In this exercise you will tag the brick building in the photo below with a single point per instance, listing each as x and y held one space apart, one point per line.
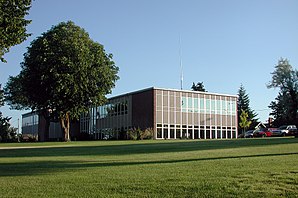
171 114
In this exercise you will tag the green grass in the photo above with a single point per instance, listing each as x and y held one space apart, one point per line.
266 167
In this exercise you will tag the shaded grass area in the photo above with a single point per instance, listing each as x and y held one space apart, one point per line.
214 168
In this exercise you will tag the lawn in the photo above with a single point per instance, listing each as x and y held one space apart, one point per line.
265 167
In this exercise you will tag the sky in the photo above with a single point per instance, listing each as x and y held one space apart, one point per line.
223 43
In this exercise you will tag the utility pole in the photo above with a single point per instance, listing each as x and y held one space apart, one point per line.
181 67
18 134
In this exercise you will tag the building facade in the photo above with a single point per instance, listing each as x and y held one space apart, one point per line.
171 114
34 124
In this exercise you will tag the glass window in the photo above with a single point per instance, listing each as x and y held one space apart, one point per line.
202 105
213 106
196 105
189 103
183 104
207 105
218 107
159 131
178 133
224 107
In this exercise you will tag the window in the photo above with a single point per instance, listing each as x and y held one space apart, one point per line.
213 106
202 105
190 104
196 105
183 104
207 105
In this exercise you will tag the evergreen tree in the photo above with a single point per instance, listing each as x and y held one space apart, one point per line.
280 110
243 105
285 106
198 87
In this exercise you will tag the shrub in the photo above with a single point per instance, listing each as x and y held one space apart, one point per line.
134 134
138 134
29 138
147 134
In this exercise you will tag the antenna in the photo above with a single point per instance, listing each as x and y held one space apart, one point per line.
181 68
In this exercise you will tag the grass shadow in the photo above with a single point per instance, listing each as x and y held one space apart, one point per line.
142 147
49 167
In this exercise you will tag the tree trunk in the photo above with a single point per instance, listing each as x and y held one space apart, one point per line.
65 125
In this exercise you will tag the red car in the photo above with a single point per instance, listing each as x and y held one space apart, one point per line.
263 133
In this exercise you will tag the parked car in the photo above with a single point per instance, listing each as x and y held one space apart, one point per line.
264 132
285 130
293 132
249 134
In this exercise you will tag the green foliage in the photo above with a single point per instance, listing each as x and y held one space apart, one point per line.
64 71
244 123
147 134
243 105
13 24
1 96
198 87
134 134
4 128
172 168
15 95
285 106
283 110
138 134
6 132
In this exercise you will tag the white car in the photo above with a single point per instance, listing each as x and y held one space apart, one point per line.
283 130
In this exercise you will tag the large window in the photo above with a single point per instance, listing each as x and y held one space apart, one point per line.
209 106
113 109
30 120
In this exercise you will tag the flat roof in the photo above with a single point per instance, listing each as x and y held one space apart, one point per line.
167 89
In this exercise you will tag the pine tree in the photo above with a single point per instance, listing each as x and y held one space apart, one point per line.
285 106
243 105
198 87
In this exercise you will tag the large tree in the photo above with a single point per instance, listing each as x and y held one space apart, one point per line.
63 72
285 106
243 105
198 87
13 24
281 110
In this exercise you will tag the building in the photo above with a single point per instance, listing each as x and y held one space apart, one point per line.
34 124
171 114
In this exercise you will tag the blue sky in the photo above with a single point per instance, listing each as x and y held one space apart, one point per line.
224 43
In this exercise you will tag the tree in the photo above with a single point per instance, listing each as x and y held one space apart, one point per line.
4 121
285 106
13 24
244 121
198 87
64 72
243 105
281 110
1 97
